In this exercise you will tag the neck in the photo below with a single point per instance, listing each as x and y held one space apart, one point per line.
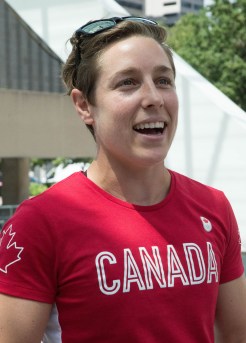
144 187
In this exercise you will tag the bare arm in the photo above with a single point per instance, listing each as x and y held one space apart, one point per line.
22 320
230 325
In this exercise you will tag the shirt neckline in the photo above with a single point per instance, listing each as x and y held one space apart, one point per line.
117 201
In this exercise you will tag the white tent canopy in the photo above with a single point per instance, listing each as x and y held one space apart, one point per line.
210 143
56 20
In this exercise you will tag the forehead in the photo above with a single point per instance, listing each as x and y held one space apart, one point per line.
136 51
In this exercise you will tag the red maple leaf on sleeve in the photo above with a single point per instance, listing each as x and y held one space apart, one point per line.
9 251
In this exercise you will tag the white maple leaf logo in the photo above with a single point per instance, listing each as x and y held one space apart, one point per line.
10 250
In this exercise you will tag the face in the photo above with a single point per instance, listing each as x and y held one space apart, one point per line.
136 106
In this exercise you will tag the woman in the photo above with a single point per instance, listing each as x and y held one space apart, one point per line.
129 251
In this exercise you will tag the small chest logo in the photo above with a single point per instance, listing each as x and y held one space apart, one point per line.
206 224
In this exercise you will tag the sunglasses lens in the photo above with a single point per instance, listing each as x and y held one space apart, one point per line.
142 20
98 26
104 24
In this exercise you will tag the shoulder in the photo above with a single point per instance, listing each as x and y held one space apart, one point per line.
190 187
49 206
59 192
196 195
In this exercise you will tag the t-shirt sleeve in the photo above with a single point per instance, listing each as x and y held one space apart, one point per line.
27 256
232 266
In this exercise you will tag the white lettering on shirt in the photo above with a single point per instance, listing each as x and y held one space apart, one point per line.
132 273
151 267
175 268
145 269
193 251
105 289
212 264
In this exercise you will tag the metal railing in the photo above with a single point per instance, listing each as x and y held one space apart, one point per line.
6 211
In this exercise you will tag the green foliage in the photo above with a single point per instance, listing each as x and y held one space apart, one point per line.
39 162
58 160
36 188
214 43
66 161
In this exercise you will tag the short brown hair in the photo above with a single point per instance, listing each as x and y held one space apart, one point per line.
81 69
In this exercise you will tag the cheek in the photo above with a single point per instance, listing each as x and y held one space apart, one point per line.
118 112
173 106
107 122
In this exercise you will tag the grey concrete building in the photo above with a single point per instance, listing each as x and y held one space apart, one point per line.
36 119
168 10
27 63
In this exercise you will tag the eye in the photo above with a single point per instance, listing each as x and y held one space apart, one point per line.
165 81
127 82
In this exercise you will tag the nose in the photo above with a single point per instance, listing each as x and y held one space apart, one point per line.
151 95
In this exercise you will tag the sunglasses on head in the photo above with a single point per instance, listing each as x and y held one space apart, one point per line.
96 26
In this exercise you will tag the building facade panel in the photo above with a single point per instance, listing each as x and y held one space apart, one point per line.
135 7
162 7
25 56
3 50
170 10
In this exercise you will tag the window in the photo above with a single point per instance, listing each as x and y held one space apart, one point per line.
130 4
186 4
197 7
169 3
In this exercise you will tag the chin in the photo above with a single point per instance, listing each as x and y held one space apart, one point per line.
151 160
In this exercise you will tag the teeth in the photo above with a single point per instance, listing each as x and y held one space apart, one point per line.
159 124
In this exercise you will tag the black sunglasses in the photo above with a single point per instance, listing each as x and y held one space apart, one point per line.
96 26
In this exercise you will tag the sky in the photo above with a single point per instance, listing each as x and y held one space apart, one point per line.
51 19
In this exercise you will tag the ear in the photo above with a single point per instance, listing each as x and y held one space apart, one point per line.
82 106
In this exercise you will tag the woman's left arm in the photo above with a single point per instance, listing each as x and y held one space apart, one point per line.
230 321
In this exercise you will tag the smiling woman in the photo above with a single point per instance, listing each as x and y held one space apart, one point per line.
130 93
125 249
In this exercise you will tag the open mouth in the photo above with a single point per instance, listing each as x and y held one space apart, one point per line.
155 128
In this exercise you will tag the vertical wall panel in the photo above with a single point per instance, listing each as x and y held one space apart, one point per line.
13 53
24 59
3 46
27 63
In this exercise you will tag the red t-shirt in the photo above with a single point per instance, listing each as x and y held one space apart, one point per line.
119 272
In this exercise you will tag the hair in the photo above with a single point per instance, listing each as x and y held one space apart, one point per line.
82 69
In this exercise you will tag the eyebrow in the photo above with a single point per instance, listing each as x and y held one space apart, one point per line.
124 72
131 70
163 69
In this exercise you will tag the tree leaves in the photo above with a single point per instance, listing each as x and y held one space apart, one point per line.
214 43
